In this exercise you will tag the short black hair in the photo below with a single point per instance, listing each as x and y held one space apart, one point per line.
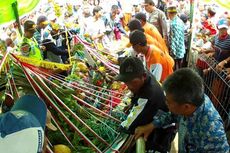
141 16
135 24
41 19
150 2
184 18
186 86
96 9
137 37
114 7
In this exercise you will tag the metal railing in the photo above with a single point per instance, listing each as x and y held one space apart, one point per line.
217 86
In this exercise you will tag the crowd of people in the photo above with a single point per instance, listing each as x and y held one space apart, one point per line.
212 36
158 38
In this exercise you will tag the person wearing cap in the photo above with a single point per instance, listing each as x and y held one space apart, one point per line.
151 30
157 18
176 36
200 127
148 98
221 42
158 62
42 22
22 128
29 46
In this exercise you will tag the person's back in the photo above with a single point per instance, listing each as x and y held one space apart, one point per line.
135 24
156 56
150 41
152 31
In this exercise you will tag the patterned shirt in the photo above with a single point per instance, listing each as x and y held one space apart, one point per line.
203 132
37 36
176 38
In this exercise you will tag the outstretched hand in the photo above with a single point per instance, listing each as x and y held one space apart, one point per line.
144 131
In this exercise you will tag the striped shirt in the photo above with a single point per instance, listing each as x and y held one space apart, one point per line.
224 44
222 48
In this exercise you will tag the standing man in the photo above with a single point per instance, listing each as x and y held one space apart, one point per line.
201 128
29 46
42 22
176 36
148 98
157 18
151 29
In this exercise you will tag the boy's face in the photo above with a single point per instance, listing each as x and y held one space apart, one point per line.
223 31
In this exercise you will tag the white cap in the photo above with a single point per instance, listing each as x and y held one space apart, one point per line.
52 17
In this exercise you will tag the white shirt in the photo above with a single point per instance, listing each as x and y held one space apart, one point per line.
95 27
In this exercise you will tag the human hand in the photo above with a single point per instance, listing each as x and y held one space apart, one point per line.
220 65
144 131
205 71
228 73
43 48
127 108
228 77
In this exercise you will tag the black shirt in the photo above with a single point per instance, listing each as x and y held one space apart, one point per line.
146 104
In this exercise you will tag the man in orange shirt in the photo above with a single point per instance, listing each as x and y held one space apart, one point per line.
151 30
135 24
158 62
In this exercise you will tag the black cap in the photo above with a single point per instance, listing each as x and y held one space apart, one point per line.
29 26
131 68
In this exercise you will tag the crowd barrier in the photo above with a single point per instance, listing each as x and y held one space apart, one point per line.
217 86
